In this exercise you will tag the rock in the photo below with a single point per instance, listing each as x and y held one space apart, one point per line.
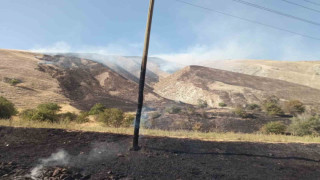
56 172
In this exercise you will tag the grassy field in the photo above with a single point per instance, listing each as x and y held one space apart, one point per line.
208 136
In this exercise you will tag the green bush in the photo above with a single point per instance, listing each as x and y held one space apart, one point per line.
274 128
222 104
96 109
7 108
253 107
202 103
111 117
49 107
173 110
294 107
44 112
273 110
82 117
27 114
272 107
241 112
305 125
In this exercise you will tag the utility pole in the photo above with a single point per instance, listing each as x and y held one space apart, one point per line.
142 78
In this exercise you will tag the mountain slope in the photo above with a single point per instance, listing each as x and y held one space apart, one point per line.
214 86
65 79
302 72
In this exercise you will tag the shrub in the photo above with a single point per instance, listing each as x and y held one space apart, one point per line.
305 125
197 126
7 108
12 81
128 120
274 128
155 115
241 112
202 103
272 107
82 117
173 110
96 109
273 110
222 104
68 116
49 107
27 114
111 117
44 112
294 107
253 107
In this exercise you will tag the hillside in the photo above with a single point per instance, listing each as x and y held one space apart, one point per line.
130 66
300 72
65 80
214 86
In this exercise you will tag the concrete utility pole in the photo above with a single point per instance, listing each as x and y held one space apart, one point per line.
142 78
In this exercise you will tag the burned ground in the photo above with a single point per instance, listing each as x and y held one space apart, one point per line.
159 158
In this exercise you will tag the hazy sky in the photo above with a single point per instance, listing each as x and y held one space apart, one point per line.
180 32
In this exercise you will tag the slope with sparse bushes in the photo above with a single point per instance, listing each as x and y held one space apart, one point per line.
214 86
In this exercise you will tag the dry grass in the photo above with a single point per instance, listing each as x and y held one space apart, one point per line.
210 136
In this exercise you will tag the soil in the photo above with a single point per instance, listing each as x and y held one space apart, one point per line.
107 156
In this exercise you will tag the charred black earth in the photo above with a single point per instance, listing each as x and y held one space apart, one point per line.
60 154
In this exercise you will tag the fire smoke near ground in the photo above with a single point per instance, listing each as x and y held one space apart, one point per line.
99 152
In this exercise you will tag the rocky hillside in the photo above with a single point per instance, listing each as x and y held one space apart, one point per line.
302 72
214 86
65 79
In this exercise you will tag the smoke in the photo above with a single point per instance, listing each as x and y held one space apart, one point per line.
58 47
119 48
99 152
59 158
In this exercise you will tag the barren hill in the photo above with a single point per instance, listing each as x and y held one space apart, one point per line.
214 86
300 72
65 79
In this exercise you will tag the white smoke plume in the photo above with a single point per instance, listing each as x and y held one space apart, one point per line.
59 158
99 152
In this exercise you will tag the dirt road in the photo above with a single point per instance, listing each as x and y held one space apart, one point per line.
106 156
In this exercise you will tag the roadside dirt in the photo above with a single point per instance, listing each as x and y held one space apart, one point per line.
106 156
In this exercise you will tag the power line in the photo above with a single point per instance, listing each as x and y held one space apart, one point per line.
248 20
276 12
315 10
312 2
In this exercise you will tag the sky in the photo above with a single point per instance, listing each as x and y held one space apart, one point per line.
181 33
